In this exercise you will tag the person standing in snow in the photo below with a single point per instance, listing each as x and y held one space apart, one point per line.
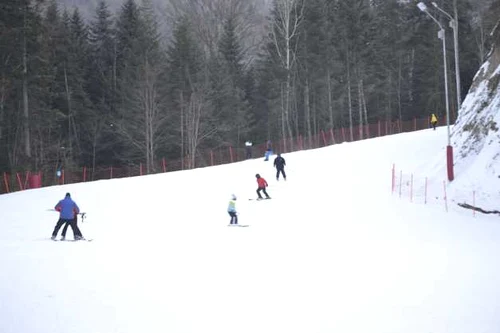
67 209
434 121
248 149
269 150
231 209
279 164
262 187
76 230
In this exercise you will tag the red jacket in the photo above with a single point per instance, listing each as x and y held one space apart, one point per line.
262 182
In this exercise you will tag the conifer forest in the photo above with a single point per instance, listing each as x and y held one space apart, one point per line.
126 82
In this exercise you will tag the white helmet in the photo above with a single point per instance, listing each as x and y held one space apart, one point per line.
233 196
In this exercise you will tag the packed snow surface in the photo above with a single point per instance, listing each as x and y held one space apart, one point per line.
333 250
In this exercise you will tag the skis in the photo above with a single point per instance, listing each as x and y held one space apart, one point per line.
238 225
72 240
259 199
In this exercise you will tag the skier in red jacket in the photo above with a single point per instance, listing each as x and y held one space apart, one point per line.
262 187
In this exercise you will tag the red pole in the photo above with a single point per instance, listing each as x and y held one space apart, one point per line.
6 181
164 164
449 162
231 153
26 179
19 181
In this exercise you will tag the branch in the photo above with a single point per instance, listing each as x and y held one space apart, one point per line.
467 206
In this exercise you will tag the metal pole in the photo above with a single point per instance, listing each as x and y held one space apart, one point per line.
449 148
454 26
443 37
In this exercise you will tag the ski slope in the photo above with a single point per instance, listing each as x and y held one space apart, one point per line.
332 251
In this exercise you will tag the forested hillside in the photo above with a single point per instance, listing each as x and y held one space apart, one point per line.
122 83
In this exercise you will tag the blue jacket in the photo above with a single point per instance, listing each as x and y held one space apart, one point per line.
67 208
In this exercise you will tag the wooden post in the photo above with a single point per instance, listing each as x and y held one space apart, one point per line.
110 172
6 181
231 154
164 164
19 181
379 128
212 157
84 174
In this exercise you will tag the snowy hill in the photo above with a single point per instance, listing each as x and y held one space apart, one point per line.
332 251
476 135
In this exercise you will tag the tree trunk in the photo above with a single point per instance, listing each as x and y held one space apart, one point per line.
26 116
349 97
68 100
307 110
181 97
360 110
330 98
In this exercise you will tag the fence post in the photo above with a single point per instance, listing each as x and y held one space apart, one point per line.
324 138
164 164
231 154
379 134
110 172
414 123
6 181
26 179
343 134
62 176
84 174
19 181
140 169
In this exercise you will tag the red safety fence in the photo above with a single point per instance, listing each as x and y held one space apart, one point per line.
19 181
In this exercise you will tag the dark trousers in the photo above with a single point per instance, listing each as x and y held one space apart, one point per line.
282 171
263 189
249 152
74 227
433 125
234 218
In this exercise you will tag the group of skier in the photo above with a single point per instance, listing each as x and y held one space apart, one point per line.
279 164
68 216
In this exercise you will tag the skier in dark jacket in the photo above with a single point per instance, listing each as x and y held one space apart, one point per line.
68 211
279 163
262 187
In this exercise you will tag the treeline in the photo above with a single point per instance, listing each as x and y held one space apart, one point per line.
118 90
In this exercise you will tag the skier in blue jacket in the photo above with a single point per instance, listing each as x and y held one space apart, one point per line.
231 209
68 212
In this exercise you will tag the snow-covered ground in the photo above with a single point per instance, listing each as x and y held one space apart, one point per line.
333 251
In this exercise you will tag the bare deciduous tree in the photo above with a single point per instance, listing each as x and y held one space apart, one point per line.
284 30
